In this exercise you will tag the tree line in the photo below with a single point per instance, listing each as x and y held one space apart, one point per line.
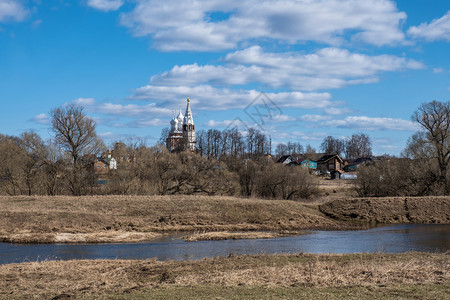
423 167
227 162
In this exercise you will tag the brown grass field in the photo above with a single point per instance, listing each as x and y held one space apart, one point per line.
300 276
91 219
138 218
36 219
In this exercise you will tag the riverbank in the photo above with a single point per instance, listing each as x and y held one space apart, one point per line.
354 276
390 210
64 219
115 219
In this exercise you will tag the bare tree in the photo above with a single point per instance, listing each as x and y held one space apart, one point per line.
164 135
75 133
434 117
358 145
14 166
417 147
331 145
281 150
310 149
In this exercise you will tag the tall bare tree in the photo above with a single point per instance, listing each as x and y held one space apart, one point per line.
14 166
358 145
331 145
434 117
75 133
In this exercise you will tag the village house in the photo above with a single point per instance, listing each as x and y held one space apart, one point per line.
307 163
330 163
286 160
351 167
103 165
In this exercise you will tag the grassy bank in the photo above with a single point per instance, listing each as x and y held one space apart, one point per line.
135 218
63 219
391 209
408 275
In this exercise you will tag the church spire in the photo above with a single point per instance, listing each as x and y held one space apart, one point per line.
188 119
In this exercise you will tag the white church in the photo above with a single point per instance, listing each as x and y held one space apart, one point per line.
182 131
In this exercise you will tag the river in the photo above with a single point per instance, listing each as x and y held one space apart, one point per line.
389 239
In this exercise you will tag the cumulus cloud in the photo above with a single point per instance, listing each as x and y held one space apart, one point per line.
197 25
313 118
337 110
215 123
12 10
105 5
207 97
132 110
361 123
371 123
436 30
325 69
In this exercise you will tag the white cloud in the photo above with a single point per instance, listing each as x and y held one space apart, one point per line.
12 10
313 118
206 97
337 111
41 119
149 123
121 116
325 69
132 110
84 102
105 5
281 118
36 24
438 70
437 30
370 123
214 123
197 25
300 135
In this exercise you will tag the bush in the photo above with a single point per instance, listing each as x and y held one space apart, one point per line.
278 181
398 177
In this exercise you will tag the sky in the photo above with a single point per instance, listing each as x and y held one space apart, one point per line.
298 70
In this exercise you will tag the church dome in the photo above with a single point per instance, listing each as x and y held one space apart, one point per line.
180 117
174 124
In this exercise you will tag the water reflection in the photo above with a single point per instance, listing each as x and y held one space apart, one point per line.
389 239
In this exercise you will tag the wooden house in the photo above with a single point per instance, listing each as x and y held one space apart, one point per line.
330 163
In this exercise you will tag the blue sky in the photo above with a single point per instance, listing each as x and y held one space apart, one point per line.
326 67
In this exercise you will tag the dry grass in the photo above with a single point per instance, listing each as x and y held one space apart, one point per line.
391 209
226 235
130 279
99 237
107 218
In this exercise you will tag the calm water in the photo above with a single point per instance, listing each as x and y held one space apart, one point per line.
389 239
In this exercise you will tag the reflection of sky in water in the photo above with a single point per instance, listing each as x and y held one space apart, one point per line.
389 239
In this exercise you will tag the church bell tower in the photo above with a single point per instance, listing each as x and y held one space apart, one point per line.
189 129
